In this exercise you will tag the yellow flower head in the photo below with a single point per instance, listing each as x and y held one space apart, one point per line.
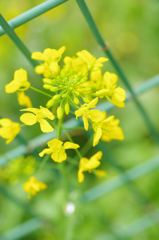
57 148
116 93
95 115
38 115
24 100
19 83
33 186
9 129
107 129
91 63
51 57
88 165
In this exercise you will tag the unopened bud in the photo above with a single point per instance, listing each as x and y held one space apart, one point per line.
53 89
76 100
50 103
59 112
64 95
77 94
46 86
86 99
84 79
56 97
67 108
47 80
102 92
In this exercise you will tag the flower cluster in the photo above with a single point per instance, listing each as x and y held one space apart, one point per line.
74 88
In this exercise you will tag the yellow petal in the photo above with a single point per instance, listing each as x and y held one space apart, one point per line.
24 100
80 111
37 56
119 94
28 119
21 75
86 124
40 69
70 145
97 136
100 173
5 122
80 176
12 87
55 143
45 151
59 156
47 113
96 115
33 110
45 126
92 103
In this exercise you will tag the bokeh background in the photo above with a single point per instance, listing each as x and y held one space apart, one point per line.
132 30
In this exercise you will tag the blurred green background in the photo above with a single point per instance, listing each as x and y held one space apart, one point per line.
132 30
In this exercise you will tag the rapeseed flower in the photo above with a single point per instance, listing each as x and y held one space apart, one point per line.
107 129
38 115
90 62
9 129
19 83
117 94
88 165
32 186
57 148
24 100
51 57
95 115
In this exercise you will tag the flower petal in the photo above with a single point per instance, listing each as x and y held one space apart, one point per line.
80 176
97 136
55 143
86 124
70 145
45 151
92 103
28 119
46 113
45 126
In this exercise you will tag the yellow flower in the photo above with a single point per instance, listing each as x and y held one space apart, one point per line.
107 129
88 165
58 150
95 115
19 83
24 100
33 186
38 115
76 64
9 129
117 94
50 57
91 63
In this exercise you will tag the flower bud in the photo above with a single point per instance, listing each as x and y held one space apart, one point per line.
77 93
64 95
76 100
46 86
50 103
59 112
102 92
86 99
54 89
56 97
47 80
67 108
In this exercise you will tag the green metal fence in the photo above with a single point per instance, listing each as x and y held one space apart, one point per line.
125 177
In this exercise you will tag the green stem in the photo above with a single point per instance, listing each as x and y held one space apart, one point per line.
39 91
59 129
70 139
42 164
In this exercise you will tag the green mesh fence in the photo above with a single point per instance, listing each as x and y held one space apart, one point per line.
125 177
